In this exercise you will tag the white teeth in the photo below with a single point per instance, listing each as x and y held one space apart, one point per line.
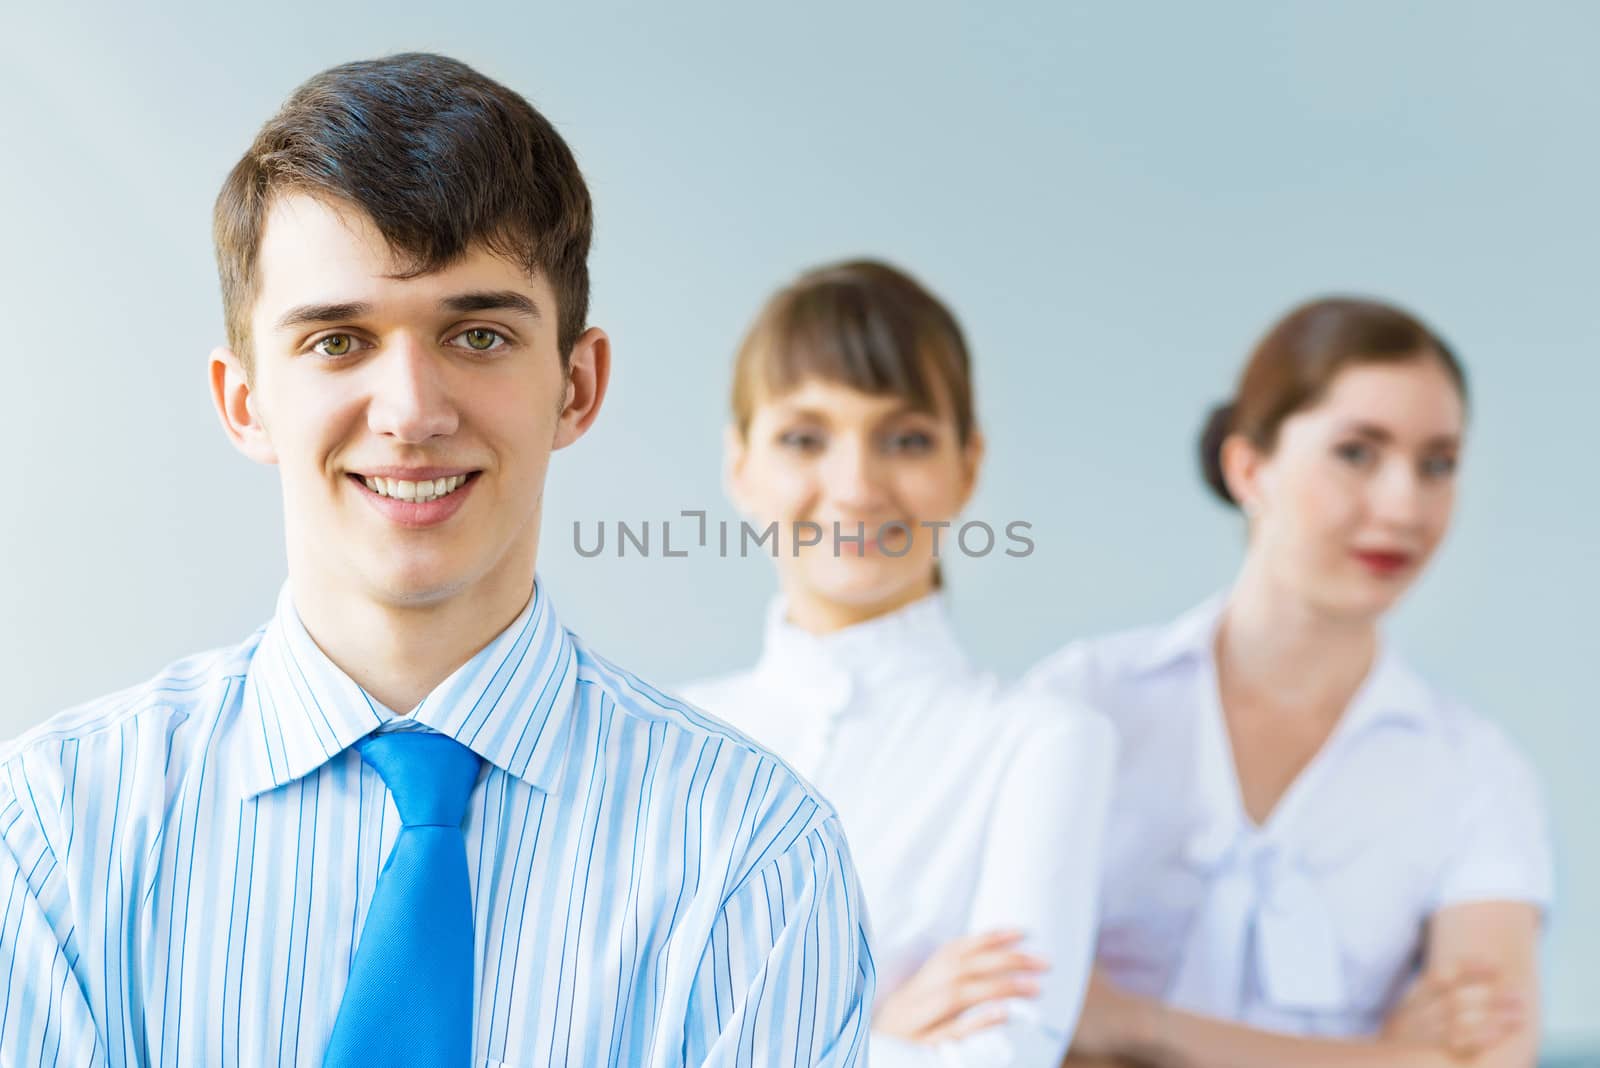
420 492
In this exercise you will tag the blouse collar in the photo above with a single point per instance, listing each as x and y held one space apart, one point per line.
914 640
1391 692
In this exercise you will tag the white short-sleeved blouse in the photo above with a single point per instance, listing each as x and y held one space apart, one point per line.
1314 923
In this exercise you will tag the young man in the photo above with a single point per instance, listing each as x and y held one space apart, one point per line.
413 820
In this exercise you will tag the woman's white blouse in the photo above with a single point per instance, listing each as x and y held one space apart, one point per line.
967 809
1312 924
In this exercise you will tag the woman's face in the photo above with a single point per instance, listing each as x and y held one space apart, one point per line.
826 454
1357 493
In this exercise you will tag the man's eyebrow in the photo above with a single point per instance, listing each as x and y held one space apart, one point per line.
344 311
323 313
492 300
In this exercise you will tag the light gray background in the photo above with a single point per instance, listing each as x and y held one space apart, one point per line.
1116 198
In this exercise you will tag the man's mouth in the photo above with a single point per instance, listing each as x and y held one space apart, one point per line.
417 492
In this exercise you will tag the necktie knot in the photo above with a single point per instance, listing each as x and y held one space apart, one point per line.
430 776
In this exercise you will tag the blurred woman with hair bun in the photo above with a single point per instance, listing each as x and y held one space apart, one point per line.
1314 856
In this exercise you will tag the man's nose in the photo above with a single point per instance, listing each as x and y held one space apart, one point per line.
410 401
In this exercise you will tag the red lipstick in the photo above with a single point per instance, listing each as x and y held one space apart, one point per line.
1382 563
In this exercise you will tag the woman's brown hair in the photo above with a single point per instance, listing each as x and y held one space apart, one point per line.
862 324
1298 359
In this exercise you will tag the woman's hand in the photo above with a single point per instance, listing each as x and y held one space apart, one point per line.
976 972
1463 1012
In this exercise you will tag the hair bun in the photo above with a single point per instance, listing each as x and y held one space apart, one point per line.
1219 424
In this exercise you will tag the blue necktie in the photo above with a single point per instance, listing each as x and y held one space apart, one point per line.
409 998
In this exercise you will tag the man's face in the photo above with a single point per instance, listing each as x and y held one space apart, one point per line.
412 419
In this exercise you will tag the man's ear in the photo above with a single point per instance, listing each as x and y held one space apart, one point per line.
734 451
588 375
241 417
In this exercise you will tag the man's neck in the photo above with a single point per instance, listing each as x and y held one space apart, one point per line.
399 653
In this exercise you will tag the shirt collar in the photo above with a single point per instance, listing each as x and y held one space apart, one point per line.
1190 636
915 639
510 703
1391 693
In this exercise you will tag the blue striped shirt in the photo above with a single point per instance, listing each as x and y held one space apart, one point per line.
185 867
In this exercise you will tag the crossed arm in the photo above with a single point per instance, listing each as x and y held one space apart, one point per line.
1481 962
1007 994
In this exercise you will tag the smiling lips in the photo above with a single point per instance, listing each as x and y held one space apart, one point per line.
423 491
422 497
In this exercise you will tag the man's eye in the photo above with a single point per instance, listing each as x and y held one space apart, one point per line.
336 345
479 339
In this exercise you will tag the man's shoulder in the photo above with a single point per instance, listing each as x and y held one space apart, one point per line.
719 691
171 696
640 706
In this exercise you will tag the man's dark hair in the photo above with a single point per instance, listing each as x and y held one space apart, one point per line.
440 157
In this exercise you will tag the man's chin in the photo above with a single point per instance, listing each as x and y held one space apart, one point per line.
417 585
